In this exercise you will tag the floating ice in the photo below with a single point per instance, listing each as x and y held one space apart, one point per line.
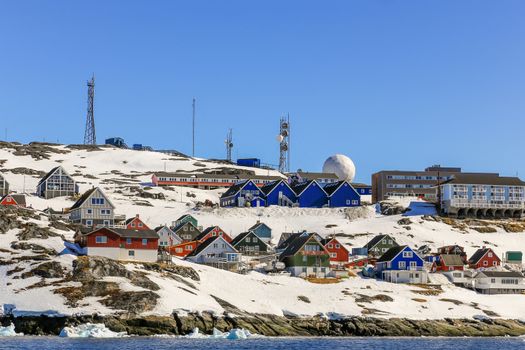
234 334
90 330
8 331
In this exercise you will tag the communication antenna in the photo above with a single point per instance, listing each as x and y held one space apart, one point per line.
90 137
229 145
193 128
284 144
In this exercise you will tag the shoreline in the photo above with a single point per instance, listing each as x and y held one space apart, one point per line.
273 326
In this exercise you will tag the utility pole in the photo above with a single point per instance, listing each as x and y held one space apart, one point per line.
193 129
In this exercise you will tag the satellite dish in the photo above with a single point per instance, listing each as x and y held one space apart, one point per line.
284 133
231 145
279 138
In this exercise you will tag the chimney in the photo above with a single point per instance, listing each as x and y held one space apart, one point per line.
137 216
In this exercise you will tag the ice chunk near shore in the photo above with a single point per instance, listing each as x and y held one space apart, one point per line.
8 331
90 330
233 334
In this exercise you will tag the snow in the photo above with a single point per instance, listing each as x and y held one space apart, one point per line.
234 334
9 331
254 292
90 330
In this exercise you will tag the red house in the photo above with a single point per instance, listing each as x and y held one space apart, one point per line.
122 244
183 249
448 262
338 253
13 199
483 258
136 223
213 231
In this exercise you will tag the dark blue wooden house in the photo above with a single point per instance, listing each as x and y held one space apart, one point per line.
401 264
310 195
342 194
279 193
243 194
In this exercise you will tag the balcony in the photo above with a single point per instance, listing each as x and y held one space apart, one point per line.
313 252
464 203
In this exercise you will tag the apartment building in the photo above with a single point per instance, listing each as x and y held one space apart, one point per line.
421 184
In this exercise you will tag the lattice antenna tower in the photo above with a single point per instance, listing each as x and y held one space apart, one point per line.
284 144
90 137
229 145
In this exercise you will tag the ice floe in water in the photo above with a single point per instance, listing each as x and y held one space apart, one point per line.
8 331
233 334
90 330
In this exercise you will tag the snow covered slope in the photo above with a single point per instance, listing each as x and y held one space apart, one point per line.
119 172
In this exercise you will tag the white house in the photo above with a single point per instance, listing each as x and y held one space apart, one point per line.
498 282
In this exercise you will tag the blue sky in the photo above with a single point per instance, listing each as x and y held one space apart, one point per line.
392 84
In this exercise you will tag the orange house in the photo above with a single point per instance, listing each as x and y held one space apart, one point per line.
338 253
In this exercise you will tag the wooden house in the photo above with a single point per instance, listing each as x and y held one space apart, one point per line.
339 255
262 231
187 231
310 194
342 194
56 183
4 186
216 252
305 256
186 218
454 249
18 200
483 258
448 262
379 245
135 223
167 238
279 193
182 249
213 231
93 209
499 282
243 194
123 244
248 243
401 264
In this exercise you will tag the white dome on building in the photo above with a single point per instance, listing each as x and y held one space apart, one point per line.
340 165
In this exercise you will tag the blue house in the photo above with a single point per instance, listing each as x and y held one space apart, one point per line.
243 194
342 194
401 264
279 193
263 231
310 194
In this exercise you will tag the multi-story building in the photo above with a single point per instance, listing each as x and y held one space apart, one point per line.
421 184
56 183
483 196
209 181
93 209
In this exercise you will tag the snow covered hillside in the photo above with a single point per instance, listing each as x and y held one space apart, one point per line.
120 173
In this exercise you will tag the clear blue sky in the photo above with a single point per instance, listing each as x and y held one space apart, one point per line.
393 84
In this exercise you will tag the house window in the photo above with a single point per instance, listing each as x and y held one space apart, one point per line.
492 280
215 245
144 241
90 211
305 258
490 254
407 254
402 265
494 263
106 222
189 247
354 202
303 269
105 211
485 263
140 224
330 246
348 202
132 224
101 239
131 253
337 246
333 255
128 240
97 201
89 222
254 239
248 239
178 250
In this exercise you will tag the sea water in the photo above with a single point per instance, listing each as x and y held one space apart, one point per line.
136 343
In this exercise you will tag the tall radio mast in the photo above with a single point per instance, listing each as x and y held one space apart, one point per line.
90 137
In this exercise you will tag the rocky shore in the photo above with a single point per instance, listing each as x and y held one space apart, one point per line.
270 325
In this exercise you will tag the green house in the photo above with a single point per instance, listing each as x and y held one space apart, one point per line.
514 257
184 219
379 245
305 256
248 243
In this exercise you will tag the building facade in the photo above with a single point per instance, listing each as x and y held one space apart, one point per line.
483 196
56 183
4 186
421 184
93 209
208 181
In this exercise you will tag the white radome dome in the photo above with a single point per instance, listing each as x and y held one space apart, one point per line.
340 165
